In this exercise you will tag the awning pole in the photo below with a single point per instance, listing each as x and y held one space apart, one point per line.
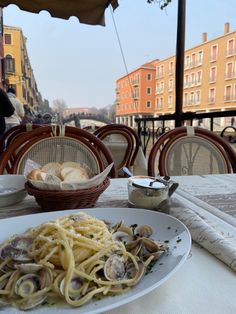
179 68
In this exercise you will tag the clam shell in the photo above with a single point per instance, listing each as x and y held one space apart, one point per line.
114 268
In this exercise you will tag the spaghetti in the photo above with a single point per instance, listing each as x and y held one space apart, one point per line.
74 258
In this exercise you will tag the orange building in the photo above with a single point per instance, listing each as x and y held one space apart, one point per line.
135 94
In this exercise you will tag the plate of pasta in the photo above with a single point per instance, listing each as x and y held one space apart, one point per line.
91 261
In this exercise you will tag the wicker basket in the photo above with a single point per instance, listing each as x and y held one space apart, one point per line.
58 200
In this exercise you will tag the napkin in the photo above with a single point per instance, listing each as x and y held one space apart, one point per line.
209 231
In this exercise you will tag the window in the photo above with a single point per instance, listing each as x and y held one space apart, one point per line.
159 87
234 94
200 57
171 68
186 81
228 93
149 77
193 79
185 99
170 85
214 52
193 63
162 86
9 64
170 101
7 39
187 62
149 91
198 97
191 98
212 95
199 78
159 103
212 77
230 47
148 104
160 71
136 92
229 70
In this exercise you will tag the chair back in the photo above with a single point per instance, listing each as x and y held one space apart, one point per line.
13 133
191 151
56 144
123 143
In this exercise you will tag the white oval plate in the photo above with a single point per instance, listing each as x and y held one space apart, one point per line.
166 228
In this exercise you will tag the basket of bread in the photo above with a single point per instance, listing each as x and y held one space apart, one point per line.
67 185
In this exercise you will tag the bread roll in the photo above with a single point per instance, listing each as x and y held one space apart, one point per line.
53 168
76 175
36 174
71 164
50 178
64 171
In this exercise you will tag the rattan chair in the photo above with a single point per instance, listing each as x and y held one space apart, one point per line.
191 151
123 143
13 133
229 134
56 144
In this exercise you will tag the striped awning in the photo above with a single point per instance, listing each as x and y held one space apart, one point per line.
87 11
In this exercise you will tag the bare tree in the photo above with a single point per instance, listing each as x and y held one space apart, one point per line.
59 105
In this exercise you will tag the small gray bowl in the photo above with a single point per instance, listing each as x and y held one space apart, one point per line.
12 189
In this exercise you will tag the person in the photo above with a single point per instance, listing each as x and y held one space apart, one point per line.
19 112
39 119
232 121
6 108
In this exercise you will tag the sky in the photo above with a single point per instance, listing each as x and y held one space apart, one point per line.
80 63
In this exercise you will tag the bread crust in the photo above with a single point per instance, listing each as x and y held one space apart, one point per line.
36 174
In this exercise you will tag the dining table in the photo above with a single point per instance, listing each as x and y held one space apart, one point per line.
206 282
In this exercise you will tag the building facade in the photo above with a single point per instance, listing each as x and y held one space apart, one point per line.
209 82
135 94
17 67
209 77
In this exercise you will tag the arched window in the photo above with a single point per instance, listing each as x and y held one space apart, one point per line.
9 64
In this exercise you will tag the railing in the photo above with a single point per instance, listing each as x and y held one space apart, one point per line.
148 128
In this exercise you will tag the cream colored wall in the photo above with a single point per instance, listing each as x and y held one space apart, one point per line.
15 51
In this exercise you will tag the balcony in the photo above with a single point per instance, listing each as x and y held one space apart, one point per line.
212 79
135 83
230 75
228 97
211 100
213 58
230 52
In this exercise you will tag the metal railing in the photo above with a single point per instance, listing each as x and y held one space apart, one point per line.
148 128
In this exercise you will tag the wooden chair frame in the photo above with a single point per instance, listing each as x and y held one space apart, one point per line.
13 155
130 143
133 135
13 133
165 141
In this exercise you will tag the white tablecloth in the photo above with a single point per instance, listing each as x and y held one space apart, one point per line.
203 285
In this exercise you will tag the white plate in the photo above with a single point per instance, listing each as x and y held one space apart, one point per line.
166 228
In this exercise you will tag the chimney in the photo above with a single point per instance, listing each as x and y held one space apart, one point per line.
226 28
204 37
